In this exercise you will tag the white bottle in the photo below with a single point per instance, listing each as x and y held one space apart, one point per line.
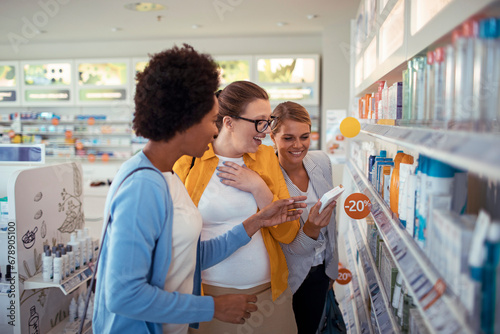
76 251
47 266
88 241
72 310
58 267
65 258
71 258
83 247
81 307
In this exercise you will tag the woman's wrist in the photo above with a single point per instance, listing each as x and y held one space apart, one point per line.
311 230
252 225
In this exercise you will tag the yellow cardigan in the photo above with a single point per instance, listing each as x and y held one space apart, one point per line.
266 164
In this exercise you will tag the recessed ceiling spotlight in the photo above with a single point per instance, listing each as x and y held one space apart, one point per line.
196 26
116 29
312 16
281 24
39 32
144 6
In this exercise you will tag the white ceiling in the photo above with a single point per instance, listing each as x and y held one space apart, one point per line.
94 20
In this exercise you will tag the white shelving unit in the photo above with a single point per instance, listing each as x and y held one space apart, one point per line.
68 285
459 149
380 302
385 35
360 309
441 310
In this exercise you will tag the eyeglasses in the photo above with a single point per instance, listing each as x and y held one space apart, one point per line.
261 125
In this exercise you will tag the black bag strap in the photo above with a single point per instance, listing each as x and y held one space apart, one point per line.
107 221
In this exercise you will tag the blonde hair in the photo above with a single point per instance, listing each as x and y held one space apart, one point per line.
289 111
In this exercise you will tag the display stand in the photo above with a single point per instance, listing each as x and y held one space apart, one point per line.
45 206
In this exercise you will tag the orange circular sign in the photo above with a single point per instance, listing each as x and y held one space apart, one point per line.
55 121
357 206
11 134
344 276
79 145
91 157
105 157
68 134
91 121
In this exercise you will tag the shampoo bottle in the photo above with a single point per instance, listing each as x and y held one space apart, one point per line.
75 245
58 268
394 192
71 258
83 247
47 266
88 242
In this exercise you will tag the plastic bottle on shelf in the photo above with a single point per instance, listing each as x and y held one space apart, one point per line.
418 98
72 310
394 193
429 86
65 258
464 74
406 94
47 263
58 268
439 80
83 247
449 83
486 74
81 306
75 245
88 242
71 258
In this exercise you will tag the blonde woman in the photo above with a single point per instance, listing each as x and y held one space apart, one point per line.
313 256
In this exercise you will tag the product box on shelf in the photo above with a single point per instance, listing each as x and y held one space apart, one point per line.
388 271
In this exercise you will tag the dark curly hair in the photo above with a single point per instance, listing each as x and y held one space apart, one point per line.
174 92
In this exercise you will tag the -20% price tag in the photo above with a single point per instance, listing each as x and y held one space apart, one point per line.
357 206
344 277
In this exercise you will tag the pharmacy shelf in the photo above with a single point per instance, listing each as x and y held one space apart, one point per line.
85 158
67 285
77 134
436 32
441 310
380 302
361 313
471 151
348 312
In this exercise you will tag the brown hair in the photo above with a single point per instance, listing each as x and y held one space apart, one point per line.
234 99
292 111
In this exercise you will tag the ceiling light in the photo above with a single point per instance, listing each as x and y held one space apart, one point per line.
144 6
312 16
195 26
281 24
116 29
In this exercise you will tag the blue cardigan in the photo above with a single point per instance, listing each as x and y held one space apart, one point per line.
136 255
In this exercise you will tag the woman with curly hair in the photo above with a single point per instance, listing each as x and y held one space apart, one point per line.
150 262
235 178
